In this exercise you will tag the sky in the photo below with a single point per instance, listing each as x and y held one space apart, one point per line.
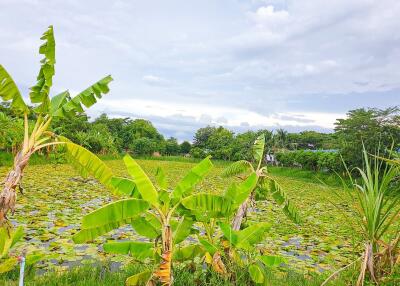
242 64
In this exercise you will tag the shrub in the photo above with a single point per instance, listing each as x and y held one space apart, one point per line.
330 162
143 146
185 147
311 160
197 152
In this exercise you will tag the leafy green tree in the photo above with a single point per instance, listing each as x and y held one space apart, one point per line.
71 126
100 140
143 146
237 246
141 128
96 136
242 146
202 136
197 152
372 128
220 143
312 140
280 138
116 126
11 132
44 110
215 141
185 147
172 146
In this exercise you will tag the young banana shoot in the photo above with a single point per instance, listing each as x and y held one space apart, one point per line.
262 178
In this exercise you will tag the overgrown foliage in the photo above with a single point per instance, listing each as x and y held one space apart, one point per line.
372 129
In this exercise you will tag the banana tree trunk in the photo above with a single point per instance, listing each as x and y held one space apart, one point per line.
240 215
13 179
164 271
242 212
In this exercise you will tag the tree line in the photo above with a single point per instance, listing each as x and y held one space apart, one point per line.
377 129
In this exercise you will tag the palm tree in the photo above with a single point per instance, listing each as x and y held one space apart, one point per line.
280 138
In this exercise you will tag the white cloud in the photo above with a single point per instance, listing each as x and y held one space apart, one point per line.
216 115
268 17
155 80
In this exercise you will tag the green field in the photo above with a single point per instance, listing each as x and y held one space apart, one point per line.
56 198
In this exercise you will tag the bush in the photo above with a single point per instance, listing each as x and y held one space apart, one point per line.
285 159
197 152
311 160
143 146
330 161
185 147
171 147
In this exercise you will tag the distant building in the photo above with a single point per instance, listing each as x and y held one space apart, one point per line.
156 154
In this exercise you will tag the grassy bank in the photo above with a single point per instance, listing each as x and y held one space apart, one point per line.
105 275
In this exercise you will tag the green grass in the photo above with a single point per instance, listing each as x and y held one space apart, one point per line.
103 274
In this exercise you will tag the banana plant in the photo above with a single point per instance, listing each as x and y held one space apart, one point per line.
234 247
238 248
241 245
215 220
156 212
7 242
265 185
261 265
45 108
